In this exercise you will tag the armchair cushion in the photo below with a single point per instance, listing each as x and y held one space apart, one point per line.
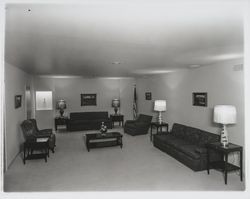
31 132
139 126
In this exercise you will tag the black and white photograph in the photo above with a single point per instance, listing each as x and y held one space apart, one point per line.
148 96
199 99
124 98
88 99
18 101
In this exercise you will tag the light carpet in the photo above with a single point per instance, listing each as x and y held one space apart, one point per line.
138 166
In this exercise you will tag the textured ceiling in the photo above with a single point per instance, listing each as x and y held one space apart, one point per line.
144 38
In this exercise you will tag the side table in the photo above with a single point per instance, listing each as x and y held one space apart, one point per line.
61 121
117 118
223 165
158 126
40 144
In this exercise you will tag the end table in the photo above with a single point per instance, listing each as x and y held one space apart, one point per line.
223 165
117 118
61 121
157 125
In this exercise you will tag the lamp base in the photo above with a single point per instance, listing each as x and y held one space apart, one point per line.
61 112
159 119
115 109
224 137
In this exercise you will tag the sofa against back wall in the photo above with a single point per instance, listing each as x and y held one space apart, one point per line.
88 121
187 145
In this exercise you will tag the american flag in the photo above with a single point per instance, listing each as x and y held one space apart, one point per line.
135 104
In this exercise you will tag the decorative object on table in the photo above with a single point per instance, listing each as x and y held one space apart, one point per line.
148 96
199 99
160 106
61 105
88 99
103 129
224 114
18 101
44 100
115 105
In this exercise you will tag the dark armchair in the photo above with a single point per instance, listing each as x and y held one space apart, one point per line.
31 133
139 126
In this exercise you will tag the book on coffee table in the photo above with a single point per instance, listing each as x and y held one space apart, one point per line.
42 139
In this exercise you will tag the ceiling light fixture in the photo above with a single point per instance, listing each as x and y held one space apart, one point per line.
194 66
116 62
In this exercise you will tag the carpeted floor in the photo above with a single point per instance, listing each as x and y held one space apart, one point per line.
138 166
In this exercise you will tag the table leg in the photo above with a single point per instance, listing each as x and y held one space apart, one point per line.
151 133
208 161
241 172
24 151
225 169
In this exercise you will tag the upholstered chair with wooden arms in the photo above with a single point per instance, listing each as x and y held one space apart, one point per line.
31 132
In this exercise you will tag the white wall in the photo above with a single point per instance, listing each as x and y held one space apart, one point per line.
70 90
15 84
220 81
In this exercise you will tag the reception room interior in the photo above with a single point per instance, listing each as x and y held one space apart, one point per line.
166 79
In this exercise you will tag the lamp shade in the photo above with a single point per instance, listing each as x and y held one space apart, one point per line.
160 105
116 103
61 104
225 114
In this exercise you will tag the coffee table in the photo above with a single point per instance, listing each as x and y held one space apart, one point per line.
96 140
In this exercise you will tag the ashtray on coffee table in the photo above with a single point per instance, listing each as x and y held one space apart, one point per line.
96 140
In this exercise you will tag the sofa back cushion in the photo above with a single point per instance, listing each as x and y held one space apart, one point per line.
89 115
192 135
208 138
144 118
178 130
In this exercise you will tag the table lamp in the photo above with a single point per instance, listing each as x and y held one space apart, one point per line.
61 105
224 114
160 106
116 105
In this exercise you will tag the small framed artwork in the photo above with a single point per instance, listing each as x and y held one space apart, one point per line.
18 101
199 99
88 99
148 96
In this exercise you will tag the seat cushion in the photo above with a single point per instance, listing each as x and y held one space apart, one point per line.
190 150
192 135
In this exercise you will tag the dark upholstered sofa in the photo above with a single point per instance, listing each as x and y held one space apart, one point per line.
187 145
88 121
139 126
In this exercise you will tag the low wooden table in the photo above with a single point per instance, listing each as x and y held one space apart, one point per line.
224 165
40 144
117 118
158 126
96 140
61 121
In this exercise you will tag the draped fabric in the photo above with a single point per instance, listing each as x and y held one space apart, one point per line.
135 104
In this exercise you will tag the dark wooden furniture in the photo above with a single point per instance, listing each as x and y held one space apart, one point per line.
158 126
117 118
61 121
103 140
31 133
88 120
223 165
140 126
32 148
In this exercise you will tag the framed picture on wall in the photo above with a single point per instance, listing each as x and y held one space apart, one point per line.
148 96
199 99
18 101
88 99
